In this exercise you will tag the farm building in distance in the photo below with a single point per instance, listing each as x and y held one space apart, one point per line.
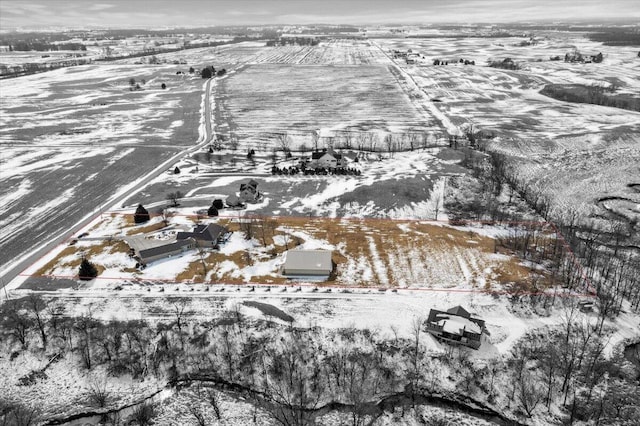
456 326
327 159
314 264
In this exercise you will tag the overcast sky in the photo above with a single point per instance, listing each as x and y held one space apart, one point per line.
154 13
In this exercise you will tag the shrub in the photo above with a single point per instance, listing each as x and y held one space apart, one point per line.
141 215
87 270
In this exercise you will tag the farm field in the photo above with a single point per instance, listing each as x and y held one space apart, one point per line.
299 99
576 154
73 137
329 52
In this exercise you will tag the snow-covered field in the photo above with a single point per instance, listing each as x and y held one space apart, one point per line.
263 101
71 138
575 154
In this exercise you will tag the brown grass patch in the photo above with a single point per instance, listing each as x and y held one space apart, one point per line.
148 228
114 246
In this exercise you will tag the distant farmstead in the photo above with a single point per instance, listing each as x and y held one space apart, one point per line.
327 159
308 264
456 326
249 192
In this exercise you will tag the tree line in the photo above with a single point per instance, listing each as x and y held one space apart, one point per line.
291 372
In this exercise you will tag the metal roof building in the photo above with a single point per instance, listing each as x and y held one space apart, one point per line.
308 263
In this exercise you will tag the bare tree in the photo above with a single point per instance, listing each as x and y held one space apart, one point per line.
284 142
98 393
437 203
528 393
174 197
38 307
315 140
15 319
166 215
202 255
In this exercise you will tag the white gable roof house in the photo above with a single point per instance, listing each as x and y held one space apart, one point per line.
307 264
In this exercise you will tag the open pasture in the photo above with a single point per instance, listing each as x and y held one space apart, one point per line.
262 101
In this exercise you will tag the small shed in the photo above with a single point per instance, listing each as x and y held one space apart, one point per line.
314 264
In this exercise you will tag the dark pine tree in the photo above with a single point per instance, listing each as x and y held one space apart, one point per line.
87 270
213 211
141 215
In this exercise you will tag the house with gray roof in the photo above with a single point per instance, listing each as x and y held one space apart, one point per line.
206 235
307 264
175 248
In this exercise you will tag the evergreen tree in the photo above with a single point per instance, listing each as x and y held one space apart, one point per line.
87 270
206 73
141 215
213 211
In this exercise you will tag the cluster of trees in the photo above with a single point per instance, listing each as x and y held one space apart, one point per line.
591 94
315 171
295 373
43 46
567 365
371 141
585 257
33 67
216 205
576 56
210 71
297 41
616 36
461 61
505 64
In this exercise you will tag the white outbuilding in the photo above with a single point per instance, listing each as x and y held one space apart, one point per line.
307 264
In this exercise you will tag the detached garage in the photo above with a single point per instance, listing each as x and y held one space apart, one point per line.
314 264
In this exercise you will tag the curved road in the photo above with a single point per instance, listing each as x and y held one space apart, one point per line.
13 270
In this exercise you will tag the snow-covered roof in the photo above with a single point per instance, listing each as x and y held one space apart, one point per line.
456 325
310 261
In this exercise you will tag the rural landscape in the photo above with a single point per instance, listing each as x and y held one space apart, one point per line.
295 223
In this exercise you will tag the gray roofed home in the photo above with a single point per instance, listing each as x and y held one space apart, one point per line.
208 235
314 264
167 250
249 191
